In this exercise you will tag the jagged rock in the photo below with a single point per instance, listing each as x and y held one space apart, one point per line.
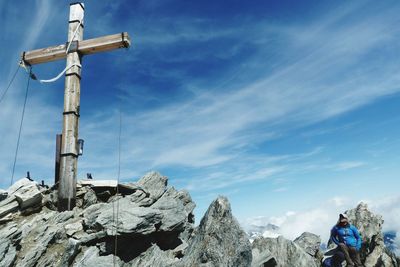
153 257
9 217
87 238
50 199
91 258
71 251
72 228
3 194
26 192
154 184
139 220
262 257
309 242
219 240
175 211
141 198
370 226
9 238
89 198
33 249
8 253
8 206
280 252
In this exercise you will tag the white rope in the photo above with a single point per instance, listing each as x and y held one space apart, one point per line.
73 36
61 73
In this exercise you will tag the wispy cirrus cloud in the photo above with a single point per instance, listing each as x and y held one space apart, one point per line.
284 76
200 131
343 166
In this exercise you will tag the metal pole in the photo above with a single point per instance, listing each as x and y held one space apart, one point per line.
69 149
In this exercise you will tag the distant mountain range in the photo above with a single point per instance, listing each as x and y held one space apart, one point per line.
389 239
268 230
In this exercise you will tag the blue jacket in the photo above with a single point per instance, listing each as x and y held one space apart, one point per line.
348 235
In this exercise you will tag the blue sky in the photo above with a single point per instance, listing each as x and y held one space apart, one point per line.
280 105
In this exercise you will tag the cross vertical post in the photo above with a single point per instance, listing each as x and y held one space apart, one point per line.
73 51
69 143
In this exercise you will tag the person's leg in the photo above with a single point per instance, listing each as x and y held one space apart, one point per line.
338 258
355 255
345 250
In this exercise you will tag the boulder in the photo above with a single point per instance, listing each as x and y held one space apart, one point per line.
219 240
280 252
72 228
34 248
154 257
309 242
89 198
8 206
27 193
155 184
176 210
131 219
91 258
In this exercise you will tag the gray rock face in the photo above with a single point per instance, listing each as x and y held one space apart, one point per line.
26 192
72 228
219 240
9 239
154 184
280 252
133 219
152 225
154 257
3 194
8 206
309 242
91 258
370 226
89 198
373 251
176 208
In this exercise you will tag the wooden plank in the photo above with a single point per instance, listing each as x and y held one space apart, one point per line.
105 43
99 183
85 47
44 55
70 133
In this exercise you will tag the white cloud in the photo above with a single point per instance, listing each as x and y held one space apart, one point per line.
339 201
280 189
344 166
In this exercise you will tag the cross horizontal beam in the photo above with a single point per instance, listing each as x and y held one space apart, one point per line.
85 47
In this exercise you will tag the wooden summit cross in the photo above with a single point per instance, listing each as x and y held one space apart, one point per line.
73 51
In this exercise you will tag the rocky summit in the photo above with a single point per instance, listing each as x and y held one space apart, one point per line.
146 223
149 223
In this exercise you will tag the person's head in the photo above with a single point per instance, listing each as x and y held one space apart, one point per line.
343 220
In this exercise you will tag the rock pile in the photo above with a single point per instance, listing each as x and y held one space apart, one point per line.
148 223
